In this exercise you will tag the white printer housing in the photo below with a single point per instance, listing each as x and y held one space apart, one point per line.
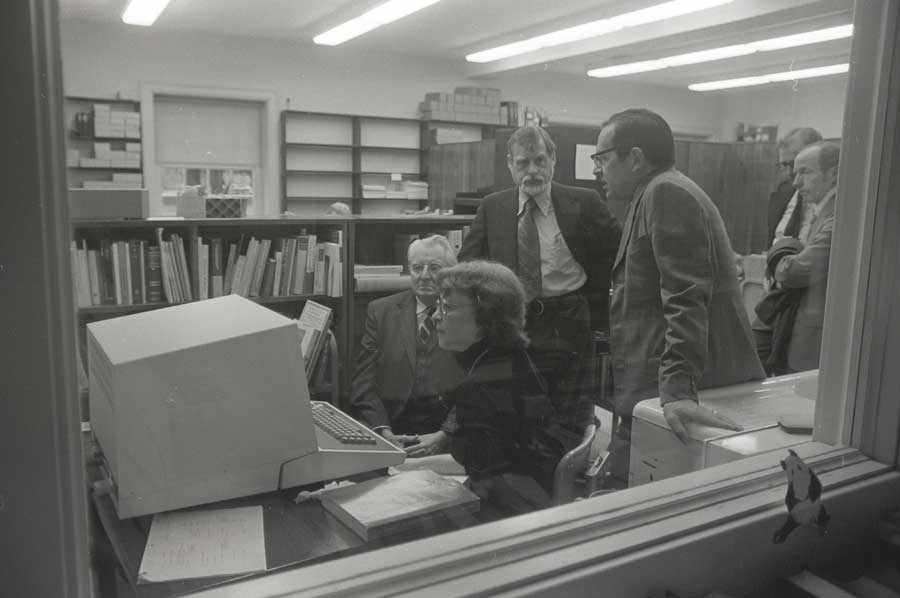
657 454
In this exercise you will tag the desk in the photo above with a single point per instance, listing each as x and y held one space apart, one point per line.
295 534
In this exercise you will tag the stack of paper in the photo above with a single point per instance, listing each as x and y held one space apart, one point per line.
187 544
374 191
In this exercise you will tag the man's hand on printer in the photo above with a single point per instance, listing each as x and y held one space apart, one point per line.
679 413
423 445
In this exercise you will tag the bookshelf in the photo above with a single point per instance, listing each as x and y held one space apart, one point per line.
365 239
193 233
110 135
348 158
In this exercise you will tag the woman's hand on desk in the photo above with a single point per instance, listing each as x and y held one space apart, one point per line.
427 444
679 413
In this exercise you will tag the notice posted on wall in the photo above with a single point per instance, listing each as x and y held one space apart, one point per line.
584 166
189 544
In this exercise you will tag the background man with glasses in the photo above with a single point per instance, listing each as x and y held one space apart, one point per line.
788 216
678 320
401 372
560 241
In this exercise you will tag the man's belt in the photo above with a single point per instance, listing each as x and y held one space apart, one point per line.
539 305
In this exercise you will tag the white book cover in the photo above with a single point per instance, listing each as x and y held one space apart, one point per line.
238 274
93 262
249 267
126 257
117 274
142 262
79 282
204 271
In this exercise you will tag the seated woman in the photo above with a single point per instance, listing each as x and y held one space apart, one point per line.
504 419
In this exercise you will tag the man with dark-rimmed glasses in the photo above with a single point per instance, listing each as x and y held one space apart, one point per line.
678 322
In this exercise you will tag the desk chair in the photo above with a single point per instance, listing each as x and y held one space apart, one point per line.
324 378
752 291
577 475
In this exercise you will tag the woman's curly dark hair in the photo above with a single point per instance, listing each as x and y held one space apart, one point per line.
497 296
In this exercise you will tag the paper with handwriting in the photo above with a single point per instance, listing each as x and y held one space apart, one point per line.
187 544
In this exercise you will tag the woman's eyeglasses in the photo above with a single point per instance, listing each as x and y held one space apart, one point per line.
444 308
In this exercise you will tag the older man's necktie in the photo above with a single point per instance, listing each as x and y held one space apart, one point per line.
426 330
529 252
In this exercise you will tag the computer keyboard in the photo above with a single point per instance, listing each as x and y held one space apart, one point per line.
331 422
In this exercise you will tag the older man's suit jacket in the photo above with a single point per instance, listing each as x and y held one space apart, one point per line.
809 269
591 232
385 369
678 319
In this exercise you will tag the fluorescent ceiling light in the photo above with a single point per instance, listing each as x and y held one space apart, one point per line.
666 10
378 16
143 12
660 12
765 45
819 71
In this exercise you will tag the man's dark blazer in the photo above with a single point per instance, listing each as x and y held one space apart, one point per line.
386 366
591 232
778 202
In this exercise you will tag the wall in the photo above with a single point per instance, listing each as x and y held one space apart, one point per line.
103 58
816 103
583 100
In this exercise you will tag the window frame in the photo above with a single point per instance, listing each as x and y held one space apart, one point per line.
510 556
267 196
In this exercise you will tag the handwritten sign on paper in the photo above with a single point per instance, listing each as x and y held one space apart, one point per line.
183 545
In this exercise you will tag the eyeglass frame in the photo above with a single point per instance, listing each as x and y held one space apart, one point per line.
595 156
787 164
441 305
418 268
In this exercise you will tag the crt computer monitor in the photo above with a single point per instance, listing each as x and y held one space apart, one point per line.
206 401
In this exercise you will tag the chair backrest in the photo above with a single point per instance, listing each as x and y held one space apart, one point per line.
573 464
752 292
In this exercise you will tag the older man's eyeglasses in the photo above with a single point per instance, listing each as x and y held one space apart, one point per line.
598 158
786 165
419 268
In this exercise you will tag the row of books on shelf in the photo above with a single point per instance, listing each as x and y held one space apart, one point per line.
133 272
299 265
116 273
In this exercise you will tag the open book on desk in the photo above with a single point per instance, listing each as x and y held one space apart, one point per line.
378 507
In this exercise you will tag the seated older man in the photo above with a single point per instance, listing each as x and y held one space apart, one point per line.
401 373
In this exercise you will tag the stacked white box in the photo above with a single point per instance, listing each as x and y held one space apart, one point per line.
466 104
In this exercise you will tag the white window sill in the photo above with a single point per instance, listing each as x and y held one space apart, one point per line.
513 554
